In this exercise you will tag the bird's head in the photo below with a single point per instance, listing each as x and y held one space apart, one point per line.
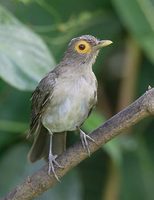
84 49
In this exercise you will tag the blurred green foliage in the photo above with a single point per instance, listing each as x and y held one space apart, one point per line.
33 36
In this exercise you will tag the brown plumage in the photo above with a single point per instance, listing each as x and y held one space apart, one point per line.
63 100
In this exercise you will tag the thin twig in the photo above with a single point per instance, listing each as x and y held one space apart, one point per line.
40 181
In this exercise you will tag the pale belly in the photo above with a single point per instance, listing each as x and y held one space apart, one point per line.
70 106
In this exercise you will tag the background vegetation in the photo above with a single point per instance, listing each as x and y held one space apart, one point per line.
33 36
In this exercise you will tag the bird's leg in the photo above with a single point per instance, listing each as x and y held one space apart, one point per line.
52 160
84 137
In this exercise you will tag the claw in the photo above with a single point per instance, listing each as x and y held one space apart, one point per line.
84 141
52 162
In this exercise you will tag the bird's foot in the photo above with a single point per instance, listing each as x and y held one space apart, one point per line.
84 137
52 162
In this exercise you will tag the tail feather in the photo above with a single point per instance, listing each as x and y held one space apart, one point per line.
59 143
40 145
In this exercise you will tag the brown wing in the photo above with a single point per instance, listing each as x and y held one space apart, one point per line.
40 99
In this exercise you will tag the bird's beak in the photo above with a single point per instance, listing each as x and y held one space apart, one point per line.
102 43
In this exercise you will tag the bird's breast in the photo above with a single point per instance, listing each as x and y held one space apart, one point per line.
71 101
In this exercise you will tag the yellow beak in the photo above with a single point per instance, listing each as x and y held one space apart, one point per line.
103 43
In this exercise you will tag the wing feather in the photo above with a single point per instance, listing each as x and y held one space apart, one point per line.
41 97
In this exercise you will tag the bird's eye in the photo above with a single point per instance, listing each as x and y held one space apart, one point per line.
83 47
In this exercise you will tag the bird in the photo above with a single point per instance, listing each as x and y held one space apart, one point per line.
63 100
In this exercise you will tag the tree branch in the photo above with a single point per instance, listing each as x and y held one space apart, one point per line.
40 181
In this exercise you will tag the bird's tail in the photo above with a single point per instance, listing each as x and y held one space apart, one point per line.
40 147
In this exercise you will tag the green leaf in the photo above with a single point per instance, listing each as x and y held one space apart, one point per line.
12 126
138 17
25 1
24 57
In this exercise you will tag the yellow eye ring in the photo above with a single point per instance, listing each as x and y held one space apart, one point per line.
83 47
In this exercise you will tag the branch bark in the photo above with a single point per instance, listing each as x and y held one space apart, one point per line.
40 181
